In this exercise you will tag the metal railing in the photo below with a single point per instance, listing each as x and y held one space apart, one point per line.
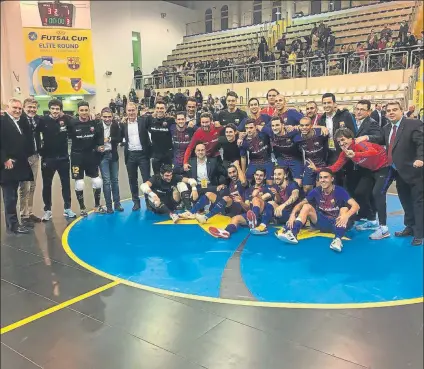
335 64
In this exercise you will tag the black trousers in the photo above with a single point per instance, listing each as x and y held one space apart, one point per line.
411 198
49 166
10 200
372 186
137 160
157 161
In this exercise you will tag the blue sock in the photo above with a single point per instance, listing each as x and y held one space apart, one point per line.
231 228
257 211
297 227
267 214
217 208
340 232
200 204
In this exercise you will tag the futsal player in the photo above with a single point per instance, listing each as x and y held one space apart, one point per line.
259 149
181 133
288 116
165 190
373 181
286 195
221 202
329 208
254 113
258 188
314 144
87 143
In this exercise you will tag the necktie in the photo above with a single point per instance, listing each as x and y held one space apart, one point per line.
391 143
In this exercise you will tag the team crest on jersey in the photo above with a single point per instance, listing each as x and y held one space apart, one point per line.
332 201
73 62
317 143
76 83
62 123
91 129
342 124
164 124
237 121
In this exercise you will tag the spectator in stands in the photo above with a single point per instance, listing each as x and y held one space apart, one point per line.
410 40
270 96
292 58
379 115
217 106
420 41
372 40
132 95
321 28
211 100
112 106
410 112
262 49
180 100
403 31
330 43
386 32
312 112
124 102
314 29
361 54
296 45
315 41
281 44
118 102
137 77
269 57
199 97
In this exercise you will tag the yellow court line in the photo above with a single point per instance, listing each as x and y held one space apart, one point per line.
291 305
60 306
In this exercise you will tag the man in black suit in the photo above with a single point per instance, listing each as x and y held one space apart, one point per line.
403 138
137 151
14 166
379 115
367 129
27 189
207 172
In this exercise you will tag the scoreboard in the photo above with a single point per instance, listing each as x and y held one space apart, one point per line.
56 14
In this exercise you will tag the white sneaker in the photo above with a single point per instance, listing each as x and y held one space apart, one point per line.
370 225
201 218
287 237
69 213
187 215
336 245
174 217
380 233
47 216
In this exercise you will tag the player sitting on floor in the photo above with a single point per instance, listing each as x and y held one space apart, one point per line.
222 201
165 191
286 194
328 207
258 188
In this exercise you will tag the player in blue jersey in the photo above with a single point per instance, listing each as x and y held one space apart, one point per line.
254 113
243 218
288 116
221 202
284 195
259 149
314 144
329 208
286 152
181 134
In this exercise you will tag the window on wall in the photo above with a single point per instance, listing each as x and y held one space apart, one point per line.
257 11
224 17
276 11
208 20
315 6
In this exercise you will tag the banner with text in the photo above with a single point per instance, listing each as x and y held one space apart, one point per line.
59 61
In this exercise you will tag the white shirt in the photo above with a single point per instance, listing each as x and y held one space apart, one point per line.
16 122
106 129
202 171
134 143
329 124
359 123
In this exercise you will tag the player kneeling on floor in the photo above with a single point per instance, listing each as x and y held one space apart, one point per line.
221 202
165 191
328 207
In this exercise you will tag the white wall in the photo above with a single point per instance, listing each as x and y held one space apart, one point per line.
112 24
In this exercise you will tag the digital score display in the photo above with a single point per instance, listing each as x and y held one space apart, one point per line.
56 14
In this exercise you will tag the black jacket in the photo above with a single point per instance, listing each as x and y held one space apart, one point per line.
371 128
15 145
144 138
34 143
341 118
407 148
216 173
115 137
54 143
376 117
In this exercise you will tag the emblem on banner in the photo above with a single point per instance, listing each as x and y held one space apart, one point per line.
76 83
73 62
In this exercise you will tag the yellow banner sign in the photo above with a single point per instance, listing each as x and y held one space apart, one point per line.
60 61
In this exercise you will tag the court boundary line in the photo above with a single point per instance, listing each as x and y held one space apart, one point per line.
54 308
292 305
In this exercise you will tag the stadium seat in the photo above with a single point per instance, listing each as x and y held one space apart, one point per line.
346 98
333 90
378 97
351 90
400 96
297 93
361 89
341 90
393 87
367 97
356 98
315 92
389 96
289 93
382 88
372 88
292 101
305 93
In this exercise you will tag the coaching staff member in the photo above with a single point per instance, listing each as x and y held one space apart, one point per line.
405 150
16 141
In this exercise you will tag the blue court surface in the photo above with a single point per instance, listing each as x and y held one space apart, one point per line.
150 251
